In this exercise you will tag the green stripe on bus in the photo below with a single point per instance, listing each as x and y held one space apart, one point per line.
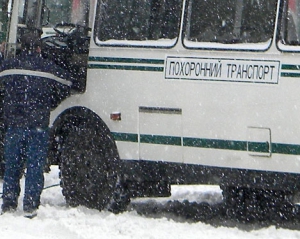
125 67
291 149
159 139
260 147
290 67
215 144
125 137
290 74
126 60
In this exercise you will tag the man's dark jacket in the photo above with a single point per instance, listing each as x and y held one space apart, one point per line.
32 87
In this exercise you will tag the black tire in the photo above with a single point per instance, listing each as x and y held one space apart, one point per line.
121 197
89 165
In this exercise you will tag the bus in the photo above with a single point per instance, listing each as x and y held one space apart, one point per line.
182 92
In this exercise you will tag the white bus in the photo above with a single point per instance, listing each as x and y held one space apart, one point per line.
185 92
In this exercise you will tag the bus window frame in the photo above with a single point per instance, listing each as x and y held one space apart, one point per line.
160 43
253 47
279 37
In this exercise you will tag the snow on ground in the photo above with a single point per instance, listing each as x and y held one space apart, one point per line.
56 220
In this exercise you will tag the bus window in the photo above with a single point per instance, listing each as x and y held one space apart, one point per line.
230 22
66 11
60 11
290 27
66 37
134 22
32 9
28 13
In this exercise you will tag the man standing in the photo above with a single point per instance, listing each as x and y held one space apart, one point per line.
32 87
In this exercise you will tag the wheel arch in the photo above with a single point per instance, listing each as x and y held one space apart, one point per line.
74 116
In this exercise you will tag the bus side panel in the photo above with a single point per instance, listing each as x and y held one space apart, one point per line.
219 124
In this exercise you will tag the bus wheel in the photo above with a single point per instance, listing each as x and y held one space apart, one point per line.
89 163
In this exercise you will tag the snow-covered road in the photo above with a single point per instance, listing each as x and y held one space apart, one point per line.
144 220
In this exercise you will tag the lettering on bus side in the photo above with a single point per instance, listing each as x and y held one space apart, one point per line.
234 70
